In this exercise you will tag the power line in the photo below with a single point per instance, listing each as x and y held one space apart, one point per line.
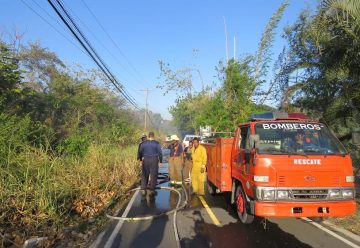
99 41
58 31
97 59
112 40
126 95
51 17
75 30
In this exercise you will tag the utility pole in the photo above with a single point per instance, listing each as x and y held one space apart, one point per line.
234 48
146 108
226 42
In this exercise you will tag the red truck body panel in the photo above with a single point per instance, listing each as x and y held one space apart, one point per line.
219 163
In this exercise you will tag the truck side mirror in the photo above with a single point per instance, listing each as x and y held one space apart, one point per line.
254 140
356 136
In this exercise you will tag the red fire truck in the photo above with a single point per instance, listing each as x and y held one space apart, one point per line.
282 165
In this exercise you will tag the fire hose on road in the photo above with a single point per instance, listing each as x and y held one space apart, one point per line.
162 178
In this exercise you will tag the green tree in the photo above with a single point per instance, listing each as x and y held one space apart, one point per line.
319 69
232 103
38 65
9 77
324 63
184 113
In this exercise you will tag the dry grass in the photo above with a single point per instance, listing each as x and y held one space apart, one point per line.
350 223
40 194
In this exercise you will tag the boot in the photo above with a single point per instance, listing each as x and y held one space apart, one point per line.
151 193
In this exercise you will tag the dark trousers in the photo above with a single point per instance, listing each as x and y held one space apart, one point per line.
150 167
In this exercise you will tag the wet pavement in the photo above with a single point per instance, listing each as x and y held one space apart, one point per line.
196 229
199 231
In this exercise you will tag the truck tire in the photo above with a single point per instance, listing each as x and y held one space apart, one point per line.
242 206
211 188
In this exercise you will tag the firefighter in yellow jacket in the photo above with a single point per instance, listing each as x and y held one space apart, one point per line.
199 158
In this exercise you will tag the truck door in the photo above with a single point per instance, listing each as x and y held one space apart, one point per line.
241 159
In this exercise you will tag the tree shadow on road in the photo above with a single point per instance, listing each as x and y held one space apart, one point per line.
239 235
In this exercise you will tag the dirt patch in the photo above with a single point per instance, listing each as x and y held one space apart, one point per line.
350 223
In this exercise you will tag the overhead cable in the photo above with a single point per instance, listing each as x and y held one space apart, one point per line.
85 43
57 30
112 40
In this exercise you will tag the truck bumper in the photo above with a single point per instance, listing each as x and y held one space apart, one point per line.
303 209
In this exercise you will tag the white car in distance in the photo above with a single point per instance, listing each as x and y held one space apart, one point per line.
187 138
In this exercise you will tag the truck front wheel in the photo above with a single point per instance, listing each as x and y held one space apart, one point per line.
241 206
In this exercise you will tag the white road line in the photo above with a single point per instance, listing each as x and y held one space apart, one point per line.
331 233
120 223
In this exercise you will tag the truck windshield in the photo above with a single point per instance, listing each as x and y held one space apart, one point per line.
297 138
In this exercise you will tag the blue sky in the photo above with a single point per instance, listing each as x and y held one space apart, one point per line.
153 30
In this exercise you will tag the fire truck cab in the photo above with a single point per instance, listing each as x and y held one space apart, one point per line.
282 165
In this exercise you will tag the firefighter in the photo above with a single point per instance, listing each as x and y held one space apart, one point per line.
151 158
316 140
199 158
175 161
299 142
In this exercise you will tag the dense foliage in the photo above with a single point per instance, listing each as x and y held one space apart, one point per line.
320 71
67 143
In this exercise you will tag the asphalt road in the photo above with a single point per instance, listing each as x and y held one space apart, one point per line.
197 229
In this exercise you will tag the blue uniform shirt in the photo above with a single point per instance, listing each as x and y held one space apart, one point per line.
150 148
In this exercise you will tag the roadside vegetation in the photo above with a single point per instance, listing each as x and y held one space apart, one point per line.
67 144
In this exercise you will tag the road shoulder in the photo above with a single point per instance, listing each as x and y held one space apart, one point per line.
341 231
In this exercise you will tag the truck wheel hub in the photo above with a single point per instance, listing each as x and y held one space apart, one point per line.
240 203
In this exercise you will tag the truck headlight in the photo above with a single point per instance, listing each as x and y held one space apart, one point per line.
282 194
335 194
268 194
348 193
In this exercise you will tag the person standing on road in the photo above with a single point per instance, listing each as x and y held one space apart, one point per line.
199 158
151 159
175 160
188 161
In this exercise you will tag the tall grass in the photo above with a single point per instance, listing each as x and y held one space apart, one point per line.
39 190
